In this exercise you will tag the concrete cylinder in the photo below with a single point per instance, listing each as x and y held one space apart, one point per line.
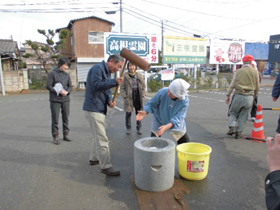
154 164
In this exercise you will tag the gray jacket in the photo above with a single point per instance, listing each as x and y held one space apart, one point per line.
58 76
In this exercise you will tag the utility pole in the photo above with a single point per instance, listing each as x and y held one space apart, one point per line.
161 41
121 28
2 79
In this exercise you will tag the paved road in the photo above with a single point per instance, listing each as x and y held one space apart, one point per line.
36 174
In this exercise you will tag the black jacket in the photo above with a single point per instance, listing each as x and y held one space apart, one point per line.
58 76
272 189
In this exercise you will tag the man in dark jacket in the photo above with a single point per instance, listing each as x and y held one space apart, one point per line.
272 181
60 86
275 96
98 96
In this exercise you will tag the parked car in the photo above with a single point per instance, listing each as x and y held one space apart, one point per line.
274 73
181 71
203 69
157 76
211 71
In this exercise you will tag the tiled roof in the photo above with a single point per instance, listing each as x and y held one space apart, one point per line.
7 46
72 21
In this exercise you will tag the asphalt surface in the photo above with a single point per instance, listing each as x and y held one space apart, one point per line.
36 174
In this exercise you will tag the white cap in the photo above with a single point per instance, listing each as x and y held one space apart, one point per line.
179 88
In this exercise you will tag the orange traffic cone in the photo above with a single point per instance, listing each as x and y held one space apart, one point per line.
257 132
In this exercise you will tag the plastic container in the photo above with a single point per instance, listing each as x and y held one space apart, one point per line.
193 160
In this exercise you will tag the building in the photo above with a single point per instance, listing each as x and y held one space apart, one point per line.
9 54
13 80
85 45
274 52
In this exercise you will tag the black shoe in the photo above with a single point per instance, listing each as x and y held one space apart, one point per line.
93 162
238 135
110 171
128 131
231 131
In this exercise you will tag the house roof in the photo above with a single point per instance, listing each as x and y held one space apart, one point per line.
72 21
8 47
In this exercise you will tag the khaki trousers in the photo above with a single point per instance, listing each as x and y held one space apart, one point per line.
100 143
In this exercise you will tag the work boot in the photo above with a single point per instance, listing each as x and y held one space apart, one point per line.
65 136
111 171
55 139
128 131
231 131
238 135
93 162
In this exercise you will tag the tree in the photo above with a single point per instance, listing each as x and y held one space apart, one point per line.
49 53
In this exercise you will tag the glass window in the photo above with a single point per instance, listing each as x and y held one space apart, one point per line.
95 37
72 40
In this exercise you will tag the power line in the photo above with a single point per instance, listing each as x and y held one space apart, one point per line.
163 19
226 2
248 24
54 10
168 27
197 12
69 2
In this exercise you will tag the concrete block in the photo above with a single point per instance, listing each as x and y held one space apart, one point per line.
154 164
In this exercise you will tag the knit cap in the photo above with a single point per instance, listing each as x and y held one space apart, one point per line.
247 58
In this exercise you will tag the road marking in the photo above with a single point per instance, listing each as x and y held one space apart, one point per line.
24 100
119 108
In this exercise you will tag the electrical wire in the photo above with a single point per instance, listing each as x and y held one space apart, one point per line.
54 10
196 12
171 28
161 18
69 2
225 2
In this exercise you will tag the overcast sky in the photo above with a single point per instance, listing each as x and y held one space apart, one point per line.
249 20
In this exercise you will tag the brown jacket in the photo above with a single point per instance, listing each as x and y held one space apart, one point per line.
126 91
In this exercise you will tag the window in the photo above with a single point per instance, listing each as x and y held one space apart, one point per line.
95 37
36 66
72 40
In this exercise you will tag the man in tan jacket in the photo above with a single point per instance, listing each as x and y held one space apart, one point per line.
246 85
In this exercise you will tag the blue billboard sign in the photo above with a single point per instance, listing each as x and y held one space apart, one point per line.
258 50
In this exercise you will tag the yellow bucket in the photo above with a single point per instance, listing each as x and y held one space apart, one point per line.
193 160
